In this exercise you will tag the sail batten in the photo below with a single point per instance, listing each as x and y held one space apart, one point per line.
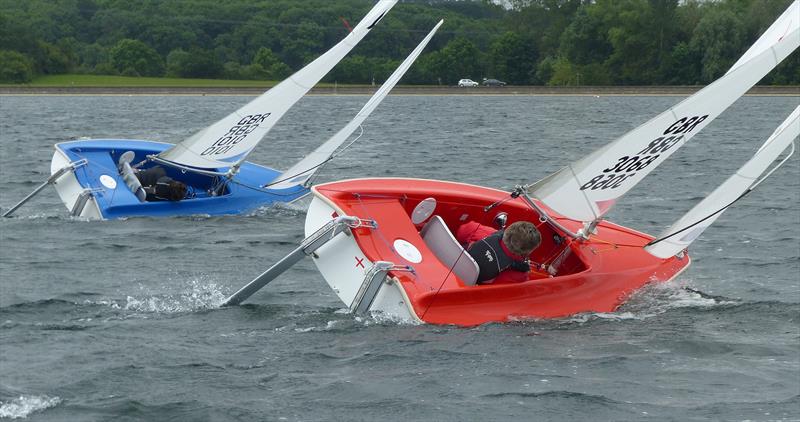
229 141
594 183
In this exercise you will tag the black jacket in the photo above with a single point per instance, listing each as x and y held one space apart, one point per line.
492 259
155 182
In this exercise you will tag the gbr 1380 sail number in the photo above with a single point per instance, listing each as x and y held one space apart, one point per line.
628 166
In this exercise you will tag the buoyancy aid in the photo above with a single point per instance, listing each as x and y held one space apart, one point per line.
493 257
161 190
156 183
149 177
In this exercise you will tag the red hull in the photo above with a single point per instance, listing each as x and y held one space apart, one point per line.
596 275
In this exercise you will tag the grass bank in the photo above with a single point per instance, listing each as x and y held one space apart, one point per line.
107 81
124 85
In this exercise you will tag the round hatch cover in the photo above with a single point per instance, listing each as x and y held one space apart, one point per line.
408 251
108 181
423 210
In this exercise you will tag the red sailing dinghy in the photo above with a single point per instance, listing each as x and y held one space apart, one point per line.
387 245
423 284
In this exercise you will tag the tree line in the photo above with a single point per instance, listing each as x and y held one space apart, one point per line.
523 42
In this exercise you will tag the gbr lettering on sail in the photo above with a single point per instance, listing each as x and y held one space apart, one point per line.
236 134
628 166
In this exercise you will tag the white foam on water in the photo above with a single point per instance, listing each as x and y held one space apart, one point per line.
653 300
199 295
373 318
329 326
300 205
689 299
23 406
382 318
658 298
611 316
297 207
39 216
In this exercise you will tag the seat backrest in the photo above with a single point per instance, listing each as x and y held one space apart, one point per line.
441 241
132 181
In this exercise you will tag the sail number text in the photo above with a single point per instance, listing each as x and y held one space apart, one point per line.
236 134
629 165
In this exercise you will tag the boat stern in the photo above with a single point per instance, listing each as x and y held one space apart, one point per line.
77 198
349 272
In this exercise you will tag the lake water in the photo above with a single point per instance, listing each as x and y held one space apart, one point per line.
120 320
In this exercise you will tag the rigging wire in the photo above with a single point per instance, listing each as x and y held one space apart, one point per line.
331 157
655 241
750 189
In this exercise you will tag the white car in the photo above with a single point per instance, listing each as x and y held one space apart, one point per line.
467 82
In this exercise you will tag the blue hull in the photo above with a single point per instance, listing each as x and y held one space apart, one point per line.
241 195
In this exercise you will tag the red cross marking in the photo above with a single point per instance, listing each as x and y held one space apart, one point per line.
360 262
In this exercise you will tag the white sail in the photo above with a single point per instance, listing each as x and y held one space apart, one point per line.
585 190
227 142
305 168
781 28
693 223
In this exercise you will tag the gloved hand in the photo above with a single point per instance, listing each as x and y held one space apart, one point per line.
523 266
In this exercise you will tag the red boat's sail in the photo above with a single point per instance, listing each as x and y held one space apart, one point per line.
585 190
681 234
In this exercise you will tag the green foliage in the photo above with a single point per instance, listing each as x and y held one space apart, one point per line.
513 57
135 58
273 67
15 67
361 69
717 40
563 73
51 59
458 59
532 42
585 40
195 63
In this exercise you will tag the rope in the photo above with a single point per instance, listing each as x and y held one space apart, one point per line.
595 239
258 189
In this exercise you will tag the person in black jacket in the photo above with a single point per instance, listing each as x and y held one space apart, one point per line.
505 249
159 186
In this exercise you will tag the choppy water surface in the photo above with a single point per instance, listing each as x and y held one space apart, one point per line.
119 320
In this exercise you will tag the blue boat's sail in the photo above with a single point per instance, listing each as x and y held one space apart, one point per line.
301 172
227 142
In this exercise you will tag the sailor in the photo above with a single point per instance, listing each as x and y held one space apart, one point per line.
500 250
160 187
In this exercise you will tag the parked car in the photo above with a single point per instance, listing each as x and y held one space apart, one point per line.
493 82
467 82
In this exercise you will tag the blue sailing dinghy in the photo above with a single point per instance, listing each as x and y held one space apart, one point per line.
94 181
95 188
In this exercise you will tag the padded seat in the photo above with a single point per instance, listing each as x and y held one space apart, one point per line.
447 249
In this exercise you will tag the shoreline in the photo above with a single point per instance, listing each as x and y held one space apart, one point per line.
765 90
